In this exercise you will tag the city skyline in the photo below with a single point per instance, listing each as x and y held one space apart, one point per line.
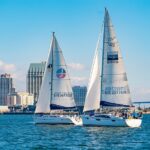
26 33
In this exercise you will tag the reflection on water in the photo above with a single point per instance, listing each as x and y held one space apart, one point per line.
19 132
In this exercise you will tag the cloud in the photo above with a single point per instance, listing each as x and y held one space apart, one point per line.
77 73
144 91
18 75
6 68
11 69
79 80
76 66
141 94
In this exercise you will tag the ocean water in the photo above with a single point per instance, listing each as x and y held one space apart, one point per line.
18 132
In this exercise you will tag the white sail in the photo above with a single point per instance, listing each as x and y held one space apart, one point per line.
92 101
62 90
114 84
43 103
56 87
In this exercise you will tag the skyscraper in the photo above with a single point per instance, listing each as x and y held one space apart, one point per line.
79 95
6 86
34 78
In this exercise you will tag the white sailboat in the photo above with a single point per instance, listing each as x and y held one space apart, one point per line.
114 85
56 90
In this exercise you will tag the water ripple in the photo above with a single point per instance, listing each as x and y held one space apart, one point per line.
18 132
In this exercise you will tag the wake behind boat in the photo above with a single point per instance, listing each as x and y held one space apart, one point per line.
56 90
114 91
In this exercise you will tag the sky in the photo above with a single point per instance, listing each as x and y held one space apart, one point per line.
26 28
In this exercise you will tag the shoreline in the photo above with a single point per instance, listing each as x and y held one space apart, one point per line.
32 113
17 113
146 112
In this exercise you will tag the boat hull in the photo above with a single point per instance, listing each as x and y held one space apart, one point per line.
52 119
86 120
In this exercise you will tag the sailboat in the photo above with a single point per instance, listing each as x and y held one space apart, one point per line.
56 90
113 91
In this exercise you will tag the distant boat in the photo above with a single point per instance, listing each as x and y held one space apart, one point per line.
114 85
56 90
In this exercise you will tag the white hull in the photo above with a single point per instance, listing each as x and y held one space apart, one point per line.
52 119
111 121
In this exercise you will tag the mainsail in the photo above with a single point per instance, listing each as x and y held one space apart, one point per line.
62 94
92 101
114 84
56 91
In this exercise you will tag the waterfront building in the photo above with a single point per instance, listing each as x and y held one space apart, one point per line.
34 78
4 109
20 99
6 86
142 104
12 98
25 98
79 95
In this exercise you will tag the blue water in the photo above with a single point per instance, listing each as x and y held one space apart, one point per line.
17 132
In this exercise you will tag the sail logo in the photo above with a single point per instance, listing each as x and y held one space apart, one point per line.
112 57
60 73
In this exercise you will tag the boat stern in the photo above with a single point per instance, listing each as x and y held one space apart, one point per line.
133 123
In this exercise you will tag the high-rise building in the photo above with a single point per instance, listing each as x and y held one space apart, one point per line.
34 78
6 86
79 95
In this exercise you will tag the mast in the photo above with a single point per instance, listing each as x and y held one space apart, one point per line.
103 55
51 96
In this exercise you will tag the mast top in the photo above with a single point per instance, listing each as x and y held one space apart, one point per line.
53 33
106 11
